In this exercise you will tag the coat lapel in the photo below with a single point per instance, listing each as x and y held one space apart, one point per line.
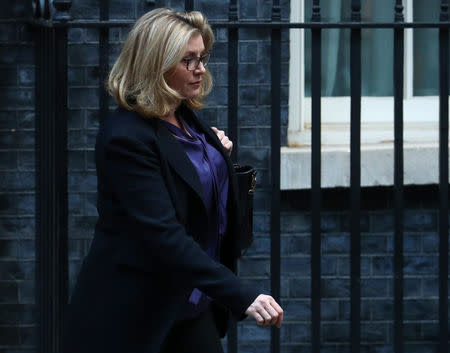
179 160
182 165
212 138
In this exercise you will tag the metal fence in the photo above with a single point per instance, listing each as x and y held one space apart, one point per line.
51 27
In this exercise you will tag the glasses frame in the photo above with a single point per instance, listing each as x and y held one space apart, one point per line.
199 59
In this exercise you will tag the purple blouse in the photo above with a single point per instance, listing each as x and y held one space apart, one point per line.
213 173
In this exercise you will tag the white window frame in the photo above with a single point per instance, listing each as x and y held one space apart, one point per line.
421 113
421 127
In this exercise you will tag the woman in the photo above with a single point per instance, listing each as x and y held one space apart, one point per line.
159 273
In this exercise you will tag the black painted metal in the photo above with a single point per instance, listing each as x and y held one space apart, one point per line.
398 179
62 11
275 142
37 9
189 5
47 9
233 40
316 194
103 60
259 24
355 178
51 186
233 132
443 178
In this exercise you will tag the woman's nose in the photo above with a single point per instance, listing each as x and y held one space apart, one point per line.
201 69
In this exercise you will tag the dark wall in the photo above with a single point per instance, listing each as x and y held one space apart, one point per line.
17 209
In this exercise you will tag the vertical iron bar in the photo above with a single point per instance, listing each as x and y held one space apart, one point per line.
103 60
233 40
189 5
233 132
398 179
443 178
275 74
38 10
46 9
316 194
355 177
51 186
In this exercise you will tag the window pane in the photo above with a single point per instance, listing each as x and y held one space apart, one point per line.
426 49
376 51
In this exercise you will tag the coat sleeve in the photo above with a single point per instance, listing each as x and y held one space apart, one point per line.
132 171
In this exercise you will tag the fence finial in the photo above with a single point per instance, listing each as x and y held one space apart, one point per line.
276 11
316 17
37 8
399 17
444 11
356 10
233 11
62 10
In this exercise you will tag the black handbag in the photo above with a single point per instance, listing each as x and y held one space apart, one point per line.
246 180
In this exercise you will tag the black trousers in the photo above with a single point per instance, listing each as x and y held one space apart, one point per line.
197 335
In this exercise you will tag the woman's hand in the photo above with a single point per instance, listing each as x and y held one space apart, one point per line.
266 311
226 143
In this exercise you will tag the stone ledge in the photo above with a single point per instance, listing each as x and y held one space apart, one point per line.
421 165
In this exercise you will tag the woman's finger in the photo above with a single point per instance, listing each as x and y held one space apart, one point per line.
267 317
273 313
275 305
224 140
280 320
259 319
216 130
229 145
280 312
253 311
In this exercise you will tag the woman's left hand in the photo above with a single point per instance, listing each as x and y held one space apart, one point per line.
226 143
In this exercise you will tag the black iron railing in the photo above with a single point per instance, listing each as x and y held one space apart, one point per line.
51 173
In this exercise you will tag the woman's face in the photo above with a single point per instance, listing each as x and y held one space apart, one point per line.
188 83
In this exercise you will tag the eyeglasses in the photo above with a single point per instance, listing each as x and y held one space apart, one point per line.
193 63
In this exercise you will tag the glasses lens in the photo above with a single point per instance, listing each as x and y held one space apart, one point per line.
192 63
205 59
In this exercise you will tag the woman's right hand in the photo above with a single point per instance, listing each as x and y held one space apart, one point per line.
266 311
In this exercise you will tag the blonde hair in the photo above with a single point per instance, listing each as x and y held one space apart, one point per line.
155 45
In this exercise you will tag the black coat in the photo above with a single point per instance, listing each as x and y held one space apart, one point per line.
144 261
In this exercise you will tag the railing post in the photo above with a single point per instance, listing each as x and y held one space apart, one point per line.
233 87
233 131
51 182
46 14
189 5
398 178
355 178
37 9
443 177
275 141
103 51
316 193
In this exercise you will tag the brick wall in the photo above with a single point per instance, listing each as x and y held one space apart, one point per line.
16 183
17 317
421 272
